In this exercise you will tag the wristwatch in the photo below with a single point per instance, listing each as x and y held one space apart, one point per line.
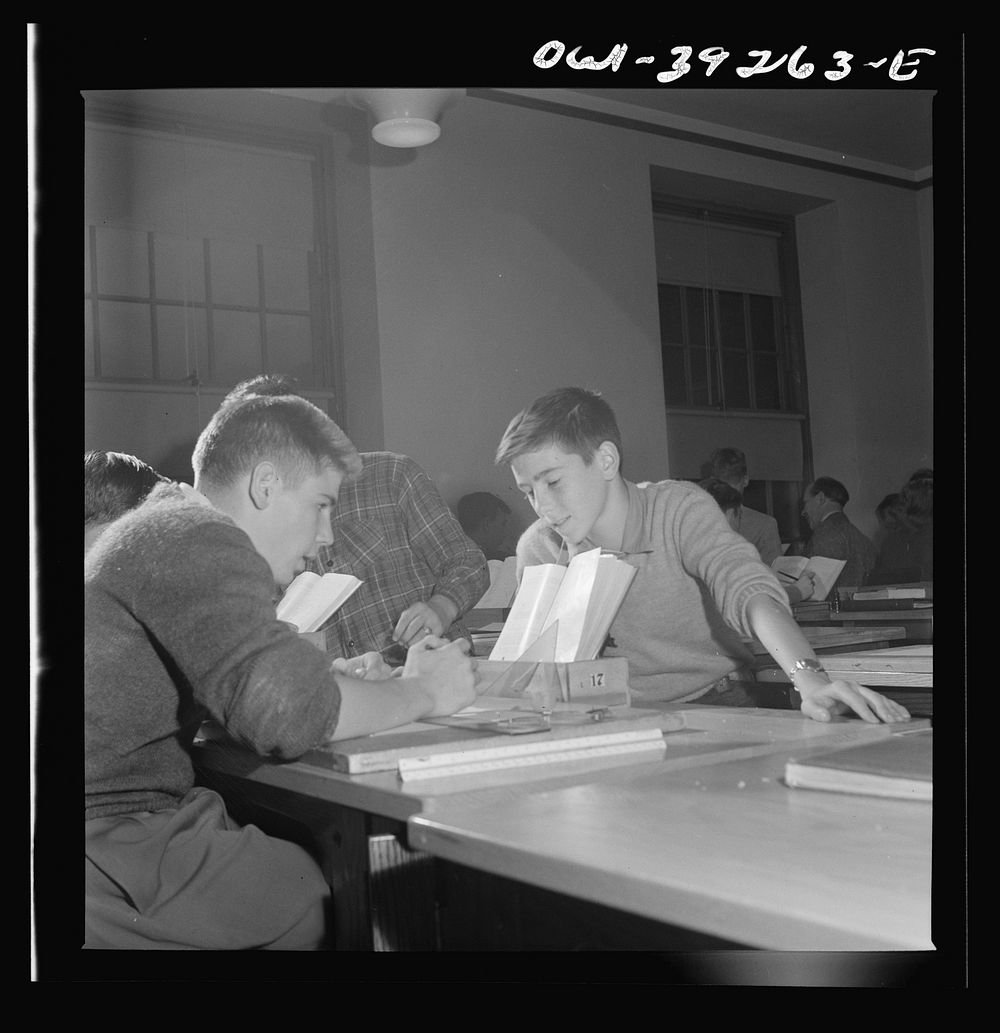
807 663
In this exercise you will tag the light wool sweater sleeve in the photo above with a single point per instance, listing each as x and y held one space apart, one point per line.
716 555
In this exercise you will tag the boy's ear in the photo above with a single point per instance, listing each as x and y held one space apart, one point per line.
263 485
608 458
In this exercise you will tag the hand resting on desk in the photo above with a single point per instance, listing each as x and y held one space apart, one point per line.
822 698
444 672
368 667
438 679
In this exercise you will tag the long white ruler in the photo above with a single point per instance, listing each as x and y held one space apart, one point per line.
521 754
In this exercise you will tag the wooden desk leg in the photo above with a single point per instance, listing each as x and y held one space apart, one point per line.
402 894
383 892
342 840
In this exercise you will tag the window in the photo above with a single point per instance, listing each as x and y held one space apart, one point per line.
201 263
730 340
726 337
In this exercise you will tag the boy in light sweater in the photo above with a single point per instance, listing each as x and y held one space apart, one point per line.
699 587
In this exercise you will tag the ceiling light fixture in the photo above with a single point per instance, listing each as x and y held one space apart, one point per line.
405 117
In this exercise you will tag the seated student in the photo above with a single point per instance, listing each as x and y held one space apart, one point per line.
699 586
180 624
486 520
731 502
419 571
759 529
833 534
906 546
113 483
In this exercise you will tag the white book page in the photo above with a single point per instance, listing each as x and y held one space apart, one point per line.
503 585
539 585
571 604
289 603
614 576
308 610
827 571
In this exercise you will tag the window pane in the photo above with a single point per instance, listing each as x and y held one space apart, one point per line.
181 342
699 377
122 262
180 267
762 323
234 273
88 339
765 382
734 365
671 330
286 278
236 347
732 330
696 300
674 377
126 341
289 346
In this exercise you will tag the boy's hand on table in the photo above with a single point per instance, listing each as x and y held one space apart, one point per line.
368 667
444 672
822 699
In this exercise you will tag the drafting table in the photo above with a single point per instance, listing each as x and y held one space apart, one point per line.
385 891
724 848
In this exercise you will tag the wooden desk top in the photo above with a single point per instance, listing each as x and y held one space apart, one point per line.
901 666
725 848
710 734
923 614
821 638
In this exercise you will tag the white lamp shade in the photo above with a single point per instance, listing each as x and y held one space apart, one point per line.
405 117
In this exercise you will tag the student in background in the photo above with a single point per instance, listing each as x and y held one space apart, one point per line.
113 483
486 520
180 625
760 529
906 548
833 534
731 502
391 528
699 586
887 515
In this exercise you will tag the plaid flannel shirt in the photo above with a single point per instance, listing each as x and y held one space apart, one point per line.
392 529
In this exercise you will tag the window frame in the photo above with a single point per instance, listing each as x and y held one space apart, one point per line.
324 347
786 309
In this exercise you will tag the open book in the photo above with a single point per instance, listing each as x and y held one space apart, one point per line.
789 569
503 585
564 611
310 600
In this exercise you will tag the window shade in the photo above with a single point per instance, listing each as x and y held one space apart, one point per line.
712 254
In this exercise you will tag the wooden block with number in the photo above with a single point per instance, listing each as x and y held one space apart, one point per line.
602 682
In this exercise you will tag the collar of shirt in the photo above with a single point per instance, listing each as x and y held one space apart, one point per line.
636 537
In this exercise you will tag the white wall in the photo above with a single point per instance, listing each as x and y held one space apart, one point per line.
516 254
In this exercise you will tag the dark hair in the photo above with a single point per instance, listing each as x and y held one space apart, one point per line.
285 429
724 493
728 463
832 489
889 510
916 499
114 483
272 384
575 419
477 507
